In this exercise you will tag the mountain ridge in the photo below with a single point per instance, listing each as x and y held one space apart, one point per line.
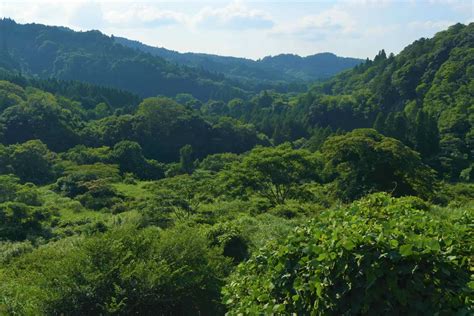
56 52
59 52
271 67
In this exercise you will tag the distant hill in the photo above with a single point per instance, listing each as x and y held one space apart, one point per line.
284 67
422 96
58 52
318 66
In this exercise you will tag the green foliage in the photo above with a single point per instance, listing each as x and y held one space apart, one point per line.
218 162
12 190
162 127
98 195
31 162
457 195
128 155
20 221
274 173
160 118
54 121
212 199
230 239
91 185
87 94
186 159
95 58
125 271
83 155
10 94
364 161
380 255
10 250
75 176
176 199
21 213
291 209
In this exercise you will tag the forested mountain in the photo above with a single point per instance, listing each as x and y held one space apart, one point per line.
281 68
355 197
58 52
423 97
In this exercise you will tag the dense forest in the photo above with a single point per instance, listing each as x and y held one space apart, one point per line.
194 195
93 57
271 69
45 51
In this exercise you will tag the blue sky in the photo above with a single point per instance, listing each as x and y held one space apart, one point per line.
254 29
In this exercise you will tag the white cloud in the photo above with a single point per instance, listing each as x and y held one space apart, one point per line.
87 15
430 25
143 16
332 22
236 16
49 12
233 16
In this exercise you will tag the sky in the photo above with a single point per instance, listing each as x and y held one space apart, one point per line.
254 29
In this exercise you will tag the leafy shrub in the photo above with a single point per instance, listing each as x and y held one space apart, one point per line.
21 213
124 271
99 194
129 156
176 198
364 161
32 162
457 195
380 255
9 187
9 250
91 185
75 177
19 221
217 162
290 209
128 178
83 155
273 173
231 240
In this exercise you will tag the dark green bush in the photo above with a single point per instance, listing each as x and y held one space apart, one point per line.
19 221
381 255
75 177
364 161
21 213
125 272
30 161
99 194
230 239
217 162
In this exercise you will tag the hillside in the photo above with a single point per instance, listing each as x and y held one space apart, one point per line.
98 116
283 68
58 52
428 86
355 197
422 96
